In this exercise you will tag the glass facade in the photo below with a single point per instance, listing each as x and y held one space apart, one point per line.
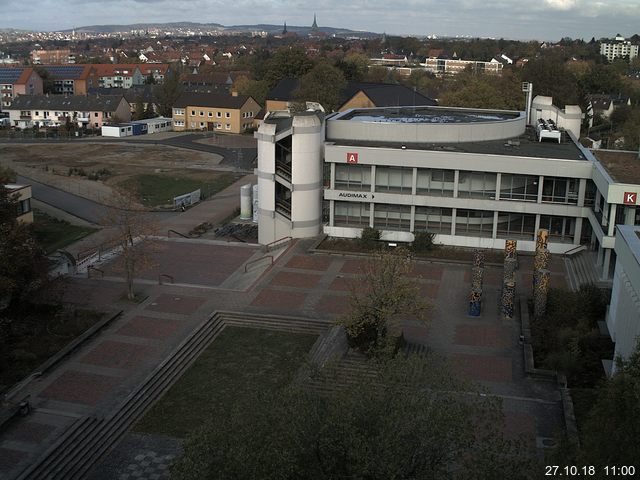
474 223
433 219
351 214
353 177
519 187
561 229
435 182
516 225
392 217
560 190
394 180
477 185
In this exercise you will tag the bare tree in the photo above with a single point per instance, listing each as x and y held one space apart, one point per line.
131 230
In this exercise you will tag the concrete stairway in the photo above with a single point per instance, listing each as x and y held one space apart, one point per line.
581 270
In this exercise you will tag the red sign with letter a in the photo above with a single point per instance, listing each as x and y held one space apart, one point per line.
630 198
352 158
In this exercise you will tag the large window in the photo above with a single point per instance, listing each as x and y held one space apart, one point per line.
475 223
351 214
477 185
519 187
353 177
394 179
590 194
516 225
561 229
560 190
392 217
433 220
435 182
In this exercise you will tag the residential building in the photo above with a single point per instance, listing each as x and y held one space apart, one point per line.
453 66
618 48
18 81
604 105
623 314
70 79
128 75
214 112
56 56
354 95
86 111
474 178
24 213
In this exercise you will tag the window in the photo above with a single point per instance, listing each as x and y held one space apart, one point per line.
560 190
476 185
37 113
227 126
435 182
193 124
590 194
433 220
391 217
227 115
24 206
219 114
201 113
394 179
351 214
353 177
95 114
179 111
201 124
193 112
561 229
210 114
179 123
516 225
519 187
475 223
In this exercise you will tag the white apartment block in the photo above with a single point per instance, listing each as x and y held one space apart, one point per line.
618 48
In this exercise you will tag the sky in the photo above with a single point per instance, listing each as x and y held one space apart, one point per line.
512 19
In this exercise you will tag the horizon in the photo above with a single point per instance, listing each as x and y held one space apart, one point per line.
546 20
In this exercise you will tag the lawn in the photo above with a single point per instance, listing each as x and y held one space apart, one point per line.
41 332
239 360
54 234
160 189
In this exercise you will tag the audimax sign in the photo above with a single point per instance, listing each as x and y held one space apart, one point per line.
360 195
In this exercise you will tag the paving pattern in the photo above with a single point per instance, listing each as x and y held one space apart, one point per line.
104 371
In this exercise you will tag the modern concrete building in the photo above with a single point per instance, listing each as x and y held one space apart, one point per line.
473 177
619 47
623 315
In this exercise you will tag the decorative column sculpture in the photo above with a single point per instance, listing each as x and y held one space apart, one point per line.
477 273
508 298
542 238
541 292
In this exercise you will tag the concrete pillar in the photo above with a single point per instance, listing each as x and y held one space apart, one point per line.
577 235
582 190
456 179
332 208
494 232
475 299
498 184
510 249
540 182
412 224
600 256
332 180
596 205
453 221
371 212
536 226
612 219
629 215
414 181
373 178
478 259
605 264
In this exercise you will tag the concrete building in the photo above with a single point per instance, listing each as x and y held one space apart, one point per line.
55 56
214 112
23 198
71 79
85 111
619 47
128 75
623 315
18 81
453 66
473 177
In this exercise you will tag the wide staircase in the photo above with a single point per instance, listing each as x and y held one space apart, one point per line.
582 270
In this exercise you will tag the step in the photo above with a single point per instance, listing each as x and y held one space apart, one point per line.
572 281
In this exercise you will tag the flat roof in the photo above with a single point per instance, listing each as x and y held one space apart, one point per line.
525 145
631 236
426 114
622 166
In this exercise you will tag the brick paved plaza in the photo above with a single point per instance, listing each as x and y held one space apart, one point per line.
101 373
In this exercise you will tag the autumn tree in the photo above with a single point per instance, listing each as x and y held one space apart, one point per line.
131 230
354 67
383 294
324 84
411 419
286 63
484 91
257 89
551 77
168 92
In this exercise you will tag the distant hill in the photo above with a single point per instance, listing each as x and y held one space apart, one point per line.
273 29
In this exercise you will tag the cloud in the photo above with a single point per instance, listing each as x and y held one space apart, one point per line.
561 4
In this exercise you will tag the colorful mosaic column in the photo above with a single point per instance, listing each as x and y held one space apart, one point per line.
510 265
478 259
510 249
475 300
508 298
542 238
540 262
541 292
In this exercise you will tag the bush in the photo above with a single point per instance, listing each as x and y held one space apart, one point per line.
369 238
422 242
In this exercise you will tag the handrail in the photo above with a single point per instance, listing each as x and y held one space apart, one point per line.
574 249
176 232
164 275
257 260
268 246
91 267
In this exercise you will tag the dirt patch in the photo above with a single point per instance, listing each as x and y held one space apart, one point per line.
61 165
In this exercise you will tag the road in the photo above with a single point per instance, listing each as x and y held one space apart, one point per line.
78 206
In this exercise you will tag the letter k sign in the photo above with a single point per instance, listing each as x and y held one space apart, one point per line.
630 198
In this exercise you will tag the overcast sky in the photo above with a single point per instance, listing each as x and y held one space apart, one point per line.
516 19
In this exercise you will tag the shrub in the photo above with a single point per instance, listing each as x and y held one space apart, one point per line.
369 238
422 242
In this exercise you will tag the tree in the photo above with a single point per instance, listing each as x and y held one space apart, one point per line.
287 62
139 109
384 292
610 435
323 84
257 89
484 91
551 77
411 419
354 66
167 93
131 229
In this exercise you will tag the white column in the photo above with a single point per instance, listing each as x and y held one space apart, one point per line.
578 231
540 182
605 264
612 219
494 232
371 207
453 221
373 178
412 223
498 182
629 215
456 179
331 210
414 183
582 190
332 182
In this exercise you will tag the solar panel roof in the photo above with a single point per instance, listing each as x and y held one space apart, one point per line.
65 71
10 75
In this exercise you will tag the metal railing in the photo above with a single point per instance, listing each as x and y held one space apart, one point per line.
275 243
574 250
246 265
176 232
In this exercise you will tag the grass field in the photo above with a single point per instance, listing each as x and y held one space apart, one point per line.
156 190
239 360
54 234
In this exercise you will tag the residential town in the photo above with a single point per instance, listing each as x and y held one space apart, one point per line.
287 251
